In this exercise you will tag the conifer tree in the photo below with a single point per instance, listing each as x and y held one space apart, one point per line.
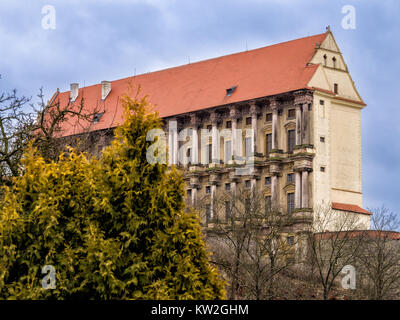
113 228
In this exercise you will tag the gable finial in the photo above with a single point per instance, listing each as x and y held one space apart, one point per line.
328 28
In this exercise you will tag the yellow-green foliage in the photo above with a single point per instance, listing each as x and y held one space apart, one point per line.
112 228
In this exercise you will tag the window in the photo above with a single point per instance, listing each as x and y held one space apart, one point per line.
189 192
322 169
268 143
247 143
209 127
291 114
97 117
336 88
230 91
290 202
227 186
322 139
209 153
188 152
321 102
248 121
267 181
290 240
208 189
290 177
334 62
291 140
268 117
229 124
247 184
227 210
325 59
268 203
228 151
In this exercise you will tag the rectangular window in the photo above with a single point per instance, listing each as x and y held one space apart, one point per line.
291 140
227 186
291 114
208 189
268 117
209 153
229 124
228 151
290 240
248 120
322 139
247 142
209 127
247 184
290 177
268 144
336 88
267 181
290 202
189 192
322 169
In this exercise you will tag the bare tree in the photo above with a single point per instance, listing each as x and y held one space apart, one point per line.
379 256
22 122
333 241
252 243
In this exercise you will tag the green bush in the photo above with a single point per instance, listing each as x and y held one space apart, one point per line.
113 228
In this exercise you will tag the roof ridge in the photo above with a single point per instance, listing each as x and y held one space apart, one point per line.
209 59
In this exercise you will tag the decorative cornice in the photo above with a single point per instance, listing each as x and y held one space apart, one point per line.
303 97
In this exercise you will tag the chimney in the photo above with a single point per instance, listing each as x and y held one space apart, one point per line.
74 91
105 89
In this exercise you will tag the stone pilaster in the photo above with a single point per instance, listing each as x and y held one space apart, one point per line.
274 108
274 191
214 117
234 115
254 111
304 189
298 125
194 123
297 194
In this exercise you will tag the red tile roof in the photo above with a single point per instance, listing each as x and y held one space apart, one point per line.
349 207
256 73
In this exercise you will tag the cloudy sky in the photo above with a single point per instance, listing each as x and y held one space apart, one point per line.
107 40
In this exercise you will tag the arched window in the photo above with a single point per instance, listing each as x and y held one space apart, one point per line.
325 58
334 62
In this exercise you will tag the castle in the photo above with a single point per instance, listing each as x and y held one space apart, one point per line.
289 114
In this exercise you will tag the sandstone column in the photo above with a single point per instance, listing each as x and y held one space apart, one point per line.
274 107
304 189
194 196
274 191
297 194
298 125
194 122
254 110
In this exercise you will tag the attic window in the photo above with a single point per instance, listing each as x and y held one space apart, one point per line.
230 91
325 57
336 88
334 62
97 117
